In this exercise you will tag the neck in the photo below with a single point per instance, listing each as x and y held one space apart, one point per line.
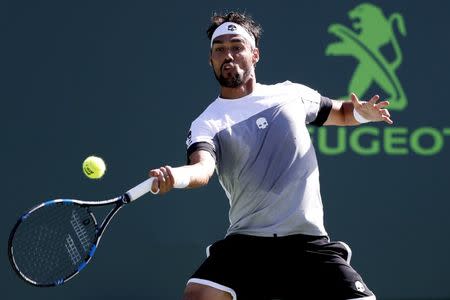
239 92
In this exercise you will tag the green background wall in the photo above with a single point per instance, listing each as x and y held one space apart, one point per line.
124 79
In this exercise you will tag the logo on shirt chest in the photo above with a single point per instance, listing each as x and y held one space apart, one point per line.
262 123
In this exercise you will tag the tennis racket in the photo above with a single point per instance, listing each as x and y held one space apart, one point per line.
55 240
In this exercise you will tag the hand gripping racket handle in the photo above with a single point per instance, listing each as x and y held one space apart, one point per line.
141 189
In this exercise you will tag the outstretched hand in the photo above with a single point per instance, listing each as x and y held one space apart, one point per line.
371 110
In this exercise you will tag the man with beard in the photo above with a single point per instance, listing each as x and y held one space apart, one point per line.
255 137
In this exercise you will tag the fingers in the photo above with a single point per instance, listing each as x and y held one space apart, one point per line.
371 102
386 116
374 100
155 186
385 112
167 175
387 120
164 179
355 100
382 104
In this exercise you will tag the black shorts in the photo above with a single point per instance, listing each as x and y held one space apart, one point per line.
289 267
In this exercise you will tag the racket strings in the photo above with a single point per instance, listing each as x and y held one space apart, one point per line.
53 241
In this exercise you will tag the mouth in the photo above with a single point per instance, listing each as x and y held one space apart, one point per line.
356 20
227 67
357 24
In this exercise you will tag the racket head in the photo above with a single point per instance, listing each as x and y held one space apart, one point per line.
53 241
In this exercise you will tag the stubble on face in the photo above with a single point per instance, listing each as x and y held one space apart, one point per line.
234 80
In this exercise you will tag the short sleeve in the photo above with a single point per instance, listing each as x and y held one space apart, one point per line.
317 108
324 111
200 137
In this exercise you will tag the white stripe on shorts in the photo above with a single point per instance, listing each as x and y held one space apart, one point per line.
349 250
214 285
365 298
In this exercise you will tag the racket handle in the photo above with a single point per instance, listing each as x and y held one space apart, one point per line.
141 189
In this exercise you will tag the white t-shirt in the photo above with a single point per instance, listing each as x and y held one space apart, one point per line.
265 160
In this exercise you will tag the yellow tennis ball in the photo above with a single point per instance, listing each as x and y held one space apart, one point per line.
94 167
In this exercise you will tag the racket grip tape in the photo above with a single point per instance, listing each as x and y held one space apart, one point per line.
141 189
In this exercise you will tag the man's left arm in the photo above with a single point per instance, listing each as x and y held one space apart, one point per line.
355 112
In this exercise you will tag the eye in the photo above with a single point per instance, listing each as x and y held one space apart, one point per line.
236 48
218 49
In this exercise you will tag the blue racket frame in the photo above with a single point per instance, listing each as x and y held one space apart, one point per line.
118 203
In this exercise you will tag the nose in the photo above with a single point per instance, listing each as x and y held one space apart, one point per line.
229 56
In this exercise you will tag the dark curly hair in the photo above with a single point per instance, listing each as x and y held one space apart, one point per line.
242 19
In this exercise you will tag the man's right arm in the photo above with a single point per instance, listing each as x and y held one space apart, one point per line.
196 174
200 169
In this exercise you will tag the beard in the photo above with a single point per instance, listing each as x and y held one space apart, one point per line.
234 81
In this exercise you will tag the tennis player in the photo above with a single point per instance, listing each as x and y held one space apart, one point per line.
255 137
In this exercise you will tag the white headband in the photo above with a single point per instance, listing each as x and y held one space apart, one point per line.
233 28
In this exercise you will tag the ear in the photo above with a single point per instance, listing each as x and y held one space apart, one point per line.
255 56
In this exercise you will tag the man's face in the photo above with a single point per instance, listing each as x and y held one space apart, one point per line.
232 59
